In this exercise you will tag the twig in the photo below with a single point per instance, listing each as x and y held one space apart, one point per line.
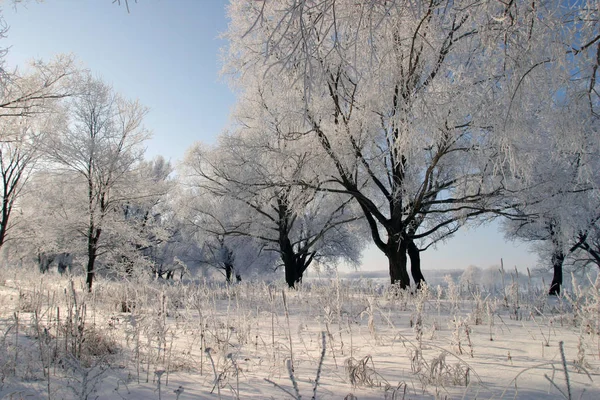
319 368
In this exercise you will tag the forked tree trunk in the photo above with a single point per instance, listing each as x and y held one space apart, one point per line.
294 263
558 257
294 268
396 254
415 264
292 274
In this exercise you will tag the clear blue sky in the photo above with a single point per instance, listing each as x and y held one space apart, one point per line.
166 54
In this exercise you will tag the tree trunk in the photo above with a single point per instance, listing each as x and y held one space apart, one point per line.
64 262
293 269
6 206
228 271
90 268
396 254
44 262
558 258
415 264
290 274
92 254
293 263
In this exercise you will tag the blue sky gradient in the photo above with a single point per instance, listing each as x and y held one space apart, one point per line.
166 54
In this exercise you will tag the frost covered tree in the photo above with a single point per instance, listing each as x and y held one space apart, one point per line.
147 218
560 215
563 225
29 112
210 232
34 89
556 192
258 174
396 94
98 150
552 137
19 151
44 226
416 104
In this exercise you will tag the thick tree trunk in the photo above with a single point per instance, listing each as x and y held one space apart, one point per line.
396 254
293 263
291 275
228 272
415 264
293 269
558 258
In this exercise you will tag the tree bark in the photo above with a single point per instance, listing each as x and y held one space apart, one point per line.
93 236
291 274
90 268
293 263
558 258
396 254
228 271
293 268
415 264
5 215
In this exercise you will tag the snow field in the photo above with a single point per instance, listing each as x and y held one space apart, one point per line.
144 340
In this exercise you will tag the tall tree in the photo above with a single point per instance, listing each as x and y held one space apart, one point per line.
398 96
551 124
30 110
18 153
99 148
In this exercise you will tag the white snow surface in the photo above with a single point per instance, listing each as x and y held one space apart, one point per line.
449 342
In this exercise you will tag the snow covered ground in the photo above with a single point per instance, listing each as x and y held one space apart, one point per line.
153 340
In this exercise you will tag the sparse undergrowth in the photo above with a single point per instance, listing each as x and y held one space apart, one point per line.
328 339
